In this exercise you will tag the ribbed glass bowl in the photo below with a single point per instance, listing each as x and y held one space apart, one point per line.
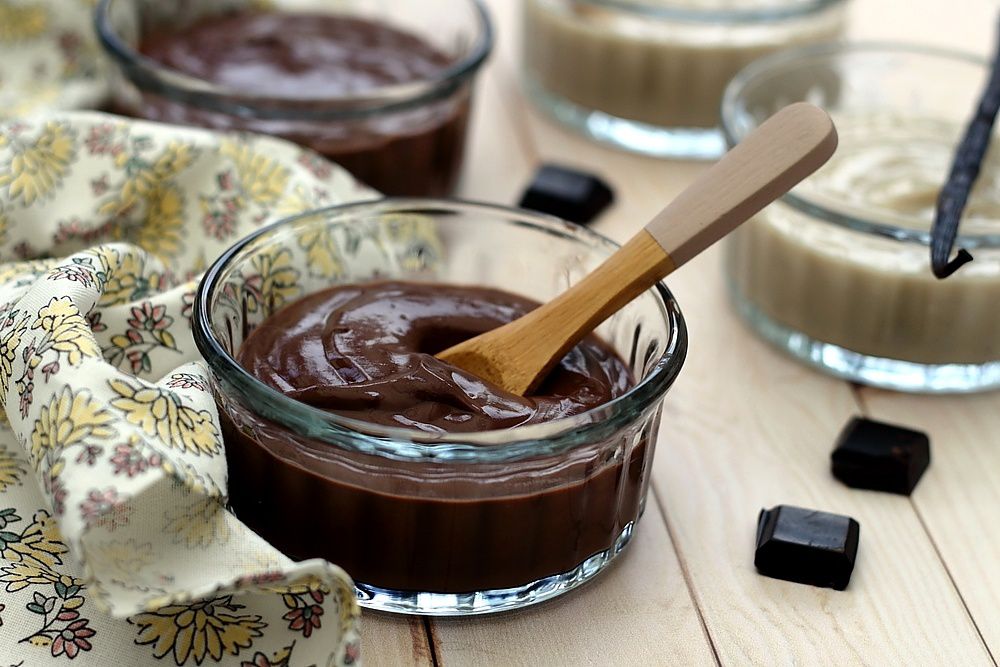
439 524
401 139
648 75
837 273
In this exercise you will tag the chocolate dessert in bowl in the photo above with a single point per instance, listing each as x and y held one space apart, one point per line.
439 493
382 88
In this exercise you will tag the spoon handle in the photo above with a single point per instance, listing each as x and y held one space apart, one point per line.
782 151
769 162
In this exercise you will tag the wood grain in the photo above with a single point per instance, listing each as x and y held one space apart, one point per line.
637 613
958 499
498 166
746 428
750 429
766 164
520 354
389 641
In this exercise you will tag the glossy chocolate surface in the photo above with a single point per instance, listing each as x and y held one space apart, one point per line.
317 56
366 352
427 526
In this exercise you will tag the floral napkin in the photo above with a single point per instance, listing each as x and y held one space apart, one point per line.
115 547
114 542
49 57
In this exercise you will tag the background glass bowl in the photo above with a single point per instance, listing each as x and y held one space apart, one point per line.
648 76
406 139
849 289
435 524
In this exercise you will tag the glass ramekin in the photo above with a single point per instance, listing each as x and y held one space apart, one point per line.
406 139
848 288
648 75
435 524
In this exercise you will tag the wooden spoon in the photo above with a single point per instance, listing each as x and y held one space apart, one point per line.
782 151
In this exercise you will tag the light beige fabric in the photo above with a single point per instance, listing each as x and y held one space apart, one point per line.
115 548
112 468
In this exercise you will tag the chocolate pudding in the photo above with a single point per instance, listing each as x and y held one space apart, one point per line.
282 66
366 352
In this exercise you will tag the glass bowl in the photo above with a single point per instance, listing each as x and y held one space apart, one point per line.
437 524
402 139
837 272
648 75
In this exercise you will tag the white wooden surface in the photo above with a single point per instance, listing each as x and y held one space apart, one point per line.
745 428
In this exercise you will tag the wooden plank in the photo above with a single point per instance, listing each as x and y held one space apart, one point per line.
500 158
391 641
640 608
495 170
746 428
639 612
959 496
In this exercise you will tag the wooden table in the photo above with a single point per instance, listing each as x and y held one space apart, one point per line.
744 428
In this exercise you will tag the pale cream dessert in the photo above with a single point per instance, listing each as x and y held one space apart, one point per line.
643 61
866 291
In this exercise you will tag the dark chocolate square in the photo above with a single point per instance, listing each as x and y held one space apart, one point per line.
806 546
882 457
567 193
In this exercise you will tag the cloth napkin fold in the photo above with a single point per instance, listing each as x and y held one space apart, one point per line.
48 60
115 547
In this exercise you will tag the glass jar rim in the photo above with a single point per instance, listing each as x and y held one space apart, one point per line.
797 56
664 11
151 76
521 442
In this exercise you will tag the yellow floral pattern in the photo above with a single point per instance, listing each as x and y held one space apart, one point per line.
34 558
39 548
11 470
161 412
111 450
37 167
161 233
200 525
67 332
124 558
262 180
274 283
20 22
205 628
132 278
323 254
10 339
67 420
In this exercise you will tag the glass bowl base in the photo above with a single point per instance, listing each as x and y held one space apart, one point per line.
894 374
492 601
688 143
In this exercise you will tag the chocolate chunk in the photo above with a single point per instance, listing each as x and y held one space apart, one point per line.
883 457
806 546
569 194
